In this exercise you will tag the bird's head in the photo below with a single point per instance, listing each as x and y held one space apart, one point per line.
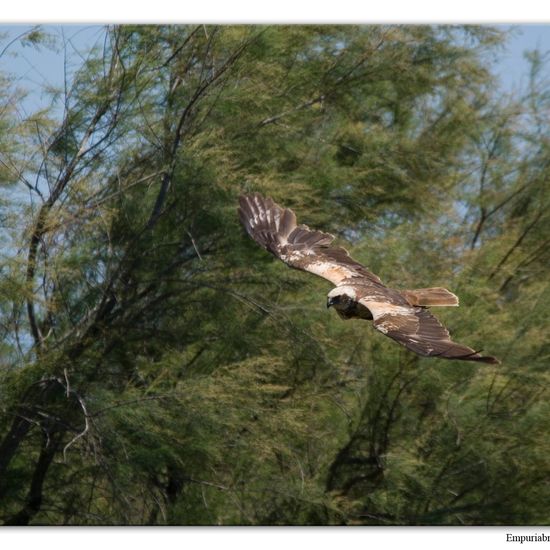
342 298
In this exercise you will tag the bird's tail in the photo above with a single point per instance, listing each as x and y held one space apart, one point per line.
430 297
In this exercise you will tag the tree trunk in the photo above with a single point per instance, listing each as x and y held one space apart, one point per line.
33 501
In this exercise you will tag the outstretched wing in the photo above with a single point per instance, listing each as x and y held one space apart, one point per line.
300 247
418 330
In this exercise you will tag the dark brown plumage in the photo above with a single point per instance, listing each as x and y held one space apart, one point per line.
401 315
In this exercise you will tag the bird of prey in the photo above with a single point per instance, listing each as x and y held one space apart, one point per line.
403 315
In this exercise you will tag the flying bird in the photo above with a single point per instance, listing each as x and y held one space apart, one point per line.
403 315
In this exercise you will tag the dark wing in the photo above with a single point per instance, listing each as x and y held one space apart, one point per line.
300 247
418 330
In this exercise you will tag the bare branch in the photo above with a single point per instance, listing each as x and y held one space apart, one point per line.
515 245
86 424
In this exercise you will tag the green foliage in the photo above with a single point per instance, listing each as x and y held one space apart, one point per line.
158 367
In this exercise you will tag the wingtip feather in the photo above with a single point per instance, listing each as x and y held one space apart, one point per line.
489 359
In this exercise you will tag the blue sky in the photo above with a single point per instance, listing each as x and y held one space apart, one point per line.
512 67
34 68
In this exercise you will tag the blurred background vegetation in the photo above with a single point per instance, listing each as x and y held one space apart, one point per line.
158 367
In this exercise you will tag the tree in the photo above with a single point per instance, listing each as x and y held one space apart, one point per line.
160 369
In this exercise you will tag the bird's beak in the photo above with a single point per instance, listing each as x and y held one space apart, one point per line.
330 302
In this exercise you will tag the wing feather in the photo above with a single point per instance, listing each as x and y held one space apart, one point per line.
275 229
418 330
